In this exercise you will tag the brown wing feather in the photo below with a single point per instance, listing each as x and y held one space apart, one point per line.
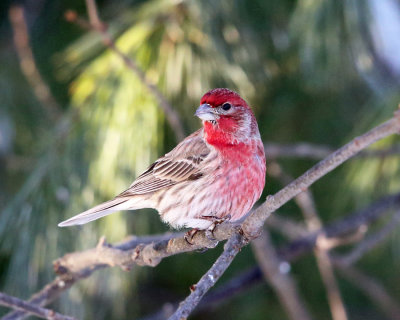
181 164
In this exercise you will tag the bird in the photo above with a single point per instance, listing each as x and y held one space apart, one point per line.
215 174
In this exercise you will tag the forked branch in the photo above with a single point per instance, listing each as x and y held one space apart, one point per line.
151 254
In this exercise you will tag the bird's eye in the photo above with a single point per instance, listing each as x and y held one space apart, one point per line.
226 106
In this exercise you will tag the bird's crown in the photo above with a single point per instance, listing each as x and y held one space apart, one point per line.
218 96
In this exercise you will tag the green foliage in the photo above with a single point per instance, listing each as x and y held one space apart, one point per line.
307 69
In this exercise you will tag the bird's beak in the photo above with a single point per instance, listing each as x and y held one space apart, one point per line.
206 112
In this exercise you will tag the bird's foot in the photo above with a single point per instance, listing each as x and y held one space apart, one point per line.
215 221
189 236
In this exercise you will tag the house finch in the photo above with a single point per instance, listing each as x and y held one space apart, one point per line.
218 172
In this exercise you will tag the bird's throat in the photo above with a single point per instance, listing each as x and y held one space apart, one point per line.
219 136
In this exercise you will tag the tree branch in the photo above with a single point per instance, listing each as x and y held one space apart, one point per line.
288 227
228 290
337 232
306 203
45 296
253 224
368 243
151 254
231 249
281 281
341 228
79 263
371 288
304 150
28 65
95 24
30 308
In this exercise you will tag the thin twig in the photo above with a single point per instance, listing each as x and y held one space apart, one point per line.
304 150
95 24
306 203
28 64
281 281
18 304
368 243
340 228
93 14
288 227
335 300
45 296
371 288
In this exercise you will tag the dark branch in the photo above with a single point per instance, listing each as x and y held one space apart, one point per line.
30 308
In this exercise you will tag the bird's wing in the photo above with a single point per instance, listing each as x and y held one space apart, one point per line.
183 163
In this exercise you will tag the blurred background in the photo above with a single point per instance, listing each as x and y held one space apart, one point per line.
77 126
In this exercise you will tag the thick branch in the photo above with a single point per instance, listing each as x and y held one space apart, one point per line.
127 255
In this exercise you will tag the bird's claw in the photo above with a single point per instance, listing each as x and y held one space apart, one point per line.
210 233
189 236
215 221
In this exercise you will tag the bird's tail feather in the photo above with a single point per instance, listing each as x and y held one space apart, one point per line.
97 212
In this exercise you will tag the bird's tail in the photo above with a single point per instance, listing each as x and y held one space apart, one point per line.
98 211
